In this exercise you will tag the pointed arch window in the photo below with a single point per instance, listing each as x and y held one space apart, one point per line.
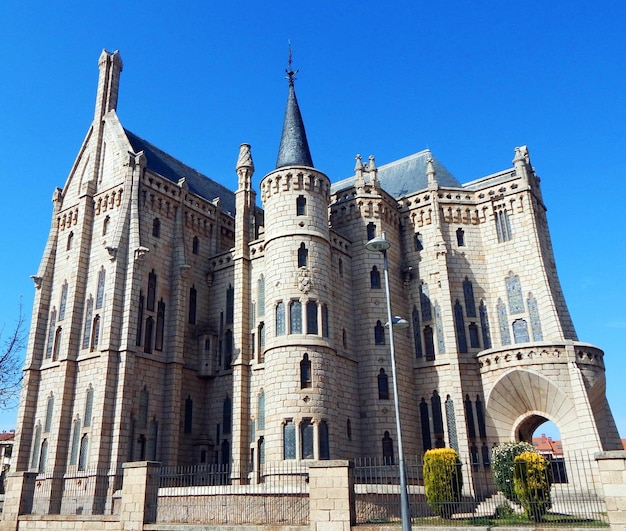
311 317
503 322
418 242
383 385
469 418
43 456
188 424
323 445
514 293
34 461
387 443
70 238
88 406
83 452
303 254
227 415
261 411
280 318
195 245
473 335
375 278
140 309
88 321
371 231
480 417
57 343
306 439
468 295
425 304
484 324
429 343
295 317
156 227
379 334
301 206
95 332
459 324
142 415
261 333
230 305
261 296
325 321
193 301
451 423
51 333
435 403
503 225
340 268
152 284
105 225
160 326
49 413
460 237
441 345
520 331
535 321
147 344
228 349
305 372
417 339
75 442
349 429
100 291
63 302
289 440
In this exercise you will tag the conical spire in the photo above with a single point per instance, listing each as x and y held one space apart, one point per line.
294 148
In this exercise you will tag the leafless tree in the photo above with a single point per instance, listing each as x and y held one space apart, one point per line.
11 346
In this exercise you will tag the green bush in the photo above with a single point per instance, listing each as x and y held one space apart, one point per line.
531 480
503 463
443 480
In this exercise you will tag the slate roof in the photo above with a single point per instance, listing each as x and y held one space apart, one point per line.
405 176
173 170
294 147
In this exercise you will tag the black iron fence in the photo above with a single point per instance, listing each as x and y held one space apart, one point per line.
575 497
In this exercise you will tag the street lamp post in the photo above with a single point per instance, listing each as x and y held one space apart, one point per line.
381 244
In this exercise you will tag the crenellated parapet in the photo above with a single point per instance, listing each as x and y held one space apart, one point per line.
295 180
538 355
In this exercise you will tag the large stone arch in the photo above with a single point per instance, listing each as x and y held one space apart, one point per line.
522 399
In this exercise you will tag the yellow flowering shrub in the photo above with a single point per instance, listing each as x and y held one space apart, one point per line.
443 480
532 479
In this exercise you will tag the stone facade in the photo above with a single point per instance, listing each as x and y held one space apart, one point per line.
177 321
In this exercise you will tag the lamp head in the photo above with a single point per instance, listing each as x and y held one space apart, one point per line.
379 243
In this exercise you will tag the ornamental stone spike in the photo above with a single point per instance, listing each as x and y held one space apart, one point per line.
245 167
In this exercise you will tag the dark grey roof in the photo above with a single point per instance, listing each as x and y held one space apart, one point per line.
294 148
405 176
172 169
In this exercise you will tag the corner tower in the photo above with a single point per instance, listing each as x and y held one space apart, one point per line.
298 347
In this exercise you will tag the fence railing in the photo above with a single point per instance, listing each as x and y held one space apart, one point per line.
276 493
576 495
88 492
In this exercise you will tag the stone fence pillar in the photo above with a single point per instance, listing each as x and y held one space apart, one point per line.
139 494
612 467
18 498
331 495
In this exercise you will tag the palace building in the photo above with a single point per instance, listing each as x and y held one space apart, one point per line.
179 321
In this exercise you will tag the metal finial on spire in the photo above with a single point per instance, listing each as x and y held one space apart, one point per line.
291 74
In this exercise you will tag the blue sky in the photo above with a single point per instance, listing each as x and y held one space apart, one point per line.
469 80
